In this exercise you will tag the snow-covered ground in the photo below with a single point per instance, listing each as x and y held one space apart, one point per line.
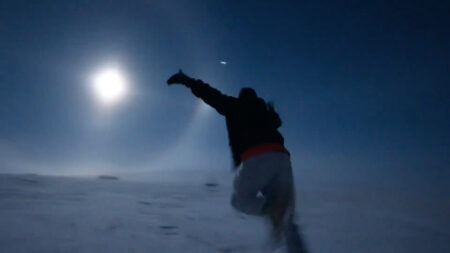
164 213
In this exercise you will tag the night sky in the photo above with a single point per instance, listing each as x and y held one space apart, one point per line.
362 88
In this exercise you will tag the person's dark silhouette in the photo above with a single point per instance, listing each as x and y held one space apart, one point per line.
258 146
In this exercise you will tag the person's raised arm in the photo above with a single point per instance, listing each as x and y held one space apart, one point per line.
213 97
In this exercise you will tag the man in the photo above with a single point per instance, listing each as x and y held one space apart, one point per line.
264 184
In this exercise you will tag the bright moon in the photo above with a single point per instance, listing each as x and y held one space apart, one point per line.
109 86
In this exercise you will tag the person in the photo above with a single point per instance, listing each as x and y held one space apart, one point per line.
264 184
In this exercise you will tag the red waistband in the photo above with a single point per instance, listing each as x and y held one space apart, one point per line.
263 148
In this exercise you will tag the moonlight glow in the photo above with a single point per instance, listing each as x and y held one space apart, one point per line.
109 86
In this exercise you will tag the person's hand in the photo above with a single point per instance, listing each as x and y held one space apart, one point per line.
179 78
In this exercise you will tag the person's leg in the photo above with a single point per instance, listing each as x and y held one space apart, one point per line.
290 229
294 239
279 193
255 174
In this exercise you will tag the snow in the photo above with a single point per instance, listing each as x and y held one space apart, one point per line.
181 213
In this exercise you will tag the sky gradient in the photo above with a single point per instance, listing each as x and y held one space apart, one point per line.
362 88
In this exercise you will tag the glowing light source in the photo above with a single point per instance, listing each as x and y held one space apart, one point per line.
109 86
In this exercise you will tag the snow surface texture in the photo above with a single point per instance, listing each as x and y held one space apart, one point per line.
108 214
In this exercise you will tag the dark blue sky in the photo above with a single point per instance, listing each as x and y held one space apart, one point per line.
362 88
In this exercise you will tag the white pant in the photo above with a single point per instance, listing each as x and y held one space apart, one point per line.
271 175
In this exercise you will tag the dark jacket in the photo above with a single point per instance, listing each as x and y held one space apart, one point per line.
249 122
